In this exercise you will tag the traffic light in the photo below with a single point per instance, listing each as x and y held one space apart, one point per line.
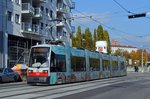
137 15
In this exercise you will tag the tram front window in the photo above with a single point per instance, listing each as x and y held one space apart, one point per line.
39 57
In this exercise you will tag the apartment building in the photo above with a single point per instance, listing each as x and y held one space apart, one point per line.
23 23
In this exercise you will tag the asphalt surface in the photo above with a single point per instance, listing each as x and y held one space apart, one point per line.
133 86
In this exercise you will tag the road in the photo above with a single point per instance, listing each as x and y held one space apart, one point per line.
133 86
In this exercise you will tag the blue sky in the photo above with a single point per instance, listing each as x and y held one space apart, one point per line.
135 32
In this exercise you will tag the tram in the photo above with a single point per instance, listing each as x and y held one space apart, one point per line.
56 64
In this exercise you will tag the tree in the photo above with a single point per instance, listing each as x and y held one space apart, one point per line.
88 39
83 40
95 38
118 52
79 38
126 54
138 56
73 40
99 33
106 38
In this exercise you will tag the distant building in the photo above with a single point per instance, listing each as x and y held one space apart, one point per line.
114 42
115 46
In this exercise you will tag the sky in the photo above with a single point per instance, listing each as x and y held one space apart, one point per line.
114 19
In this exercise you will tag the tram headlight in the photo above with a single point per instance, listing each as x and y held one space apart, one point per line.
45 71
30 71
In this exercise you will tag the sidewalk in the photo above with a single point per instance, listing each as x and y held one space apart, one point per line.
131 69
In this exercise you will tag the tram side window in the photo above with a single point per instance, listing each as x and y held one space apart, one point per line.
114 65
94 64
122 65
105 65
78 64
58 63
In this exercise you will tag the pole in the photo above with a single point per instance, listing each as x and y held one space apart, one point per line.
142 62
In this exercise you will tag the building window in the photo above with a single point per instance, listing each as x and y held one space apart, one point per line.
42 26
17 2
46 11
51 14
17 18
64 33
51 30
9 15
42 8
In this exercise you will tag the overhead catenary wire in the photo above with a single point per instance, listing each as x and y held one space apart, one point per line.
122 6
109 27
81 24
112 28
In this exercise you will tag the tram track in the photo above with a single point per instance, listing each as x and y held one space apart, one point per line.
12 84
40 90
77 90
24 86
16 89
9 87
73 90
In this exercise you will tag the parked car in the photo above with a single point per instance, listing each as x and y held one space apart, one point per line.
8 75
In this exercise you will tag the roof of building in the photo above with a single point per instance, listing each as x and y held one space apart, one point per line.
123 46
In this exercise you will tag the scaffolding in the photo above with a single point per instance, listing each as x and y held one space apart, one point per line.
18 50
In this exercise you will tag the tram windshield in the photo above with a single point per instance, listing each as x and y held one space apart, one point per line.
39 57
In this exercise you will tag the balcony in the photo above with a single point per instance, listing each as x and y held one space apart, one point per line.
62 38
37 13
61 8
43 1
27 9
73 5
60 24
29 28
39 1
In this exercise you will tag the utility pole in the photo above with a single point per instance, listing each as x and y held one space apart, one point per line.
142 63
